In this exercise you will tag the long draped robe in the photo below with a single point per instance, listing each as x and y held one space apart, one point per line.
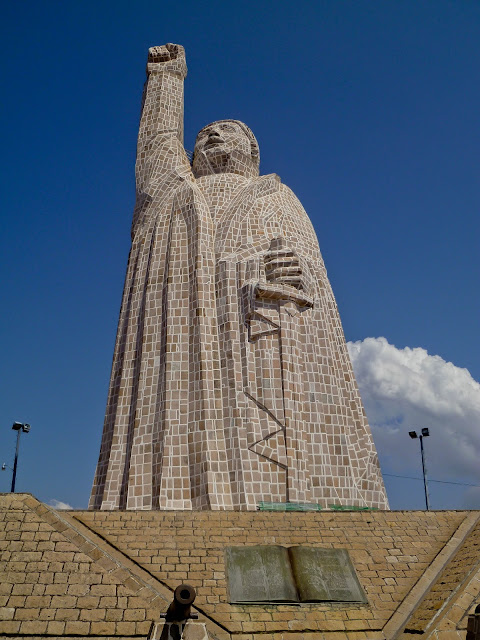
226 390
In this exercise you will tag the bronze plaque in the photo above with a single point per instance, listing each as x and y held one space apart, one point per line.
260 574
325 575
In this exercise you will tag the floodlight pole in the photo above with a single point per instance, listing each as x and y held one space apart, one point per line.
424 469
14 474
423 434
18 427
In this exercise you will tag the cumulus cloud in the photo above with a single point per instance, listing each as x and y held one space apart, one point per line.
59 505
408 389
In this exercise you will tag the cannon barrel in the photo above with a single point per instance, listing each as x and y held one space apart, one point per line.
179 609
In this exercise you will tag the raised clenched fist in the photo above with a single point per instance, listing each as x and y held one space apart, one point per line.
167 57
165 52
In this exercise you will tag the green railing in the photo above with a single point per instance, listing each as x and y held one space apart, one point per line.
308 506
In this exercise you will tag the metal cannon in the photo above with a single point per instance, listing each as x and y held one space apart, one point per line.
180 607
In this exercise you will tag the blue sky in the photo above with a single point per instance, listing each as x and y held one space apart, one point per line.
367 110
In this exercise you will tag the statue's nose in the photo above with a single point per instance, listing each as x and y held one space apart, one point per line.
213 134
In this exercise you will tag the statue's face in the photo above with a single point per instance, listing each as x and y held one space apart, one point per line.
219 143
222 137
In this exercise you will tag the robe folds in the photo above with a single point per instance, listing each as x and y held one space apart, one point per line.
228 389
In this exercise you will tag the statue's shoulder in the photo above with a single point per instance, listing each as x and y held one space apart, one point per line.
266 185
272 183
270 189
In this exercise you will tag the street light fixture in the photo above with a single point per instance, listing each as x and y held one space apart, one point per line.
18 427
424 434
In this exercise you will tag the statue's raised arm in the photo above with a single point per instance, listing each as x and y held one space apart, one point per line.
162 109
160 138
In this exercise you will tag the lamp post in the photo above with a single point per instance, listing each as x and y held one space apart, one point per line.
18 427
424 434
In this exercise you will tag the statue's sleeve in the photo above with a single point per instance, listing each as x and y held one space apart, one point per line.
161 163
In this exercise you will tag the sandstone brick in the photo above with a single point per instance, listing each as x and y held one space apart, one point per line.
55 589
102 628
125 628
142 628
134 615
352 625
14 601
90 602
33 627
77 627
38 601
92 614
47 614
9 627
20 589
63 602
107 563
103 590
67 614
26 614
334 625
55 627
115 615
7 613
132 584
77 589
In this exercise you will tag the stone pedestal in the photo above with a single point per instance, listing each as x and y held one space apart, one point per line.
189 630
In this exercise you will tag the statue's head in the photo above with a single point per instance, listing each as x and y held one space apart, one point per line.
226 146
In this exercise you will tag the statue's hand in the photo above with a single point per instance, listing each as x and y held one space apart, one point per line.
167 57
166 52
282 266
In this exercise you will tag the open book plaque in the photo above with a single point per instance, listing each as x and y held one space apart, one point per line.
296 574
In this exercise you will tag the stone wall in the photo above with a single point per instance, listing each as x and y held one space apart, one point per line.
111 574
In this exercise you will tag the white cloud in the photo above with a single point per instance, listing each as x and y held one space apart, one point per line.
408 389
59 505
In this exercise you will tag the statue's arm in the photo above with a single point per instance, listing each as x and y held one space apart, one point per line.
161 123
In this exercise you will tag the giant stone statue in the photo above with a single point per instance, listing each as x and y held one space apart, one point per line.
231 382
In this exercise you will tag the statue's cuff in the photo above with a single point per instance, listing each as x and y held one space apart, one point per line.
283 293
174 67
